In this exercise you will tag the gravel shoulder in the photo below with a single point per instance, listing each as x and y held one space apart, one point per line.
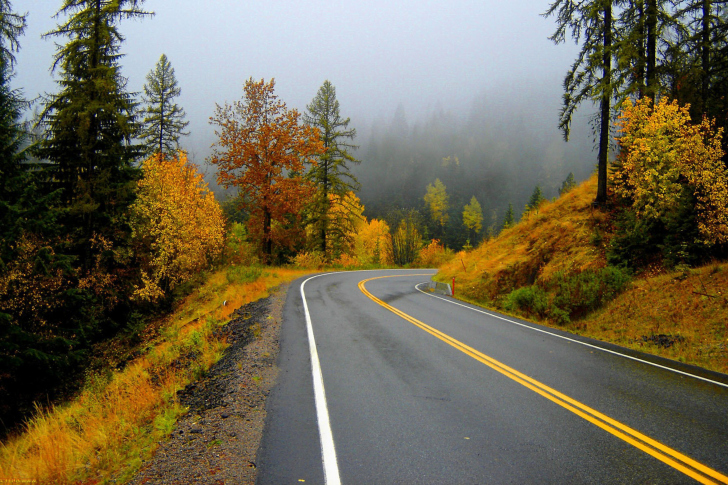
217 440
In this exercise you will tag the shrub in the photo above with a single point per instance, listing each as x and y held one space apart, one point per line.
577 294
309 260
238 250
346 261
532 300
434 255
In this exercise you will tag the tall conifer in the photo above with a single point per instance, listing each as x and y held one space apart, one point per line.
164 120
91 122
332 174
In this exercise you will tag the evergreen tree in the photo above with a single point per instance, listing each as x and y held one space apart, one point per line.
590 77
535 200
509 220
567 184
331 175
91 124
164 121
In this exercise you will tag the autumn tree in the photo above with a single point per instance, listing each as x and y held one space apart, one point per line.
331 174
436 200
406 240
177 225
164 120
473 216
263 151
662 153
373 243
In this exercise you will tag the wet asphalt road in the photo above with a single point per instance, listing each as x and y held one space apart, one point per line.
407 407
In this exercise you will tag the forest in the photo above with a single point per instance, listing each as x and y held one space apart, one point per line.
105 223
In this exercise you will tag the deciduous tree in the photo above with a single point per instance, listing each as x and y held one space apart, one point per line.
178 227
473 216
263 150
437 202
666 161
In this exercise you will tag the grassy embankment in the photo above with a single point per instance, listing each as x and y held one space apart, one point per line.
680 315
116 420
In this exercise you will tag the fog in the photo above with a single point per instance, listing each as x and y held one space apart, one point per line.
487 65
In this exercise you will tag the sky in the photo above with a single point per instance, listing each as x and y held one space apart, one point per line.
421 54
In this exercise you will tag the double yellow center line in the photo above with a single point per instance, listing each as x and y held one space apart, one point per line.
674 458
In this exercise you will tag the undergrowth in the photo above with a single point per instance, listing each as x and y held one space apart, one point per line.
114 423
552 267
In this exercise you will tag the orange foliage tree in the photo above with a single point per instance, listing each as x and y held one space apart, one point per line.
664 158
177 225
262 150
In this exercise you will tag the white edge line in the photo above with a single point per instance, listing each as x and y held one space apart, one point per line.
328 451
571 339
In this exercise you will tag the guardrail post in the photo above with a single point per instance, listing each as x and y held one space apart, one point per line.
453 286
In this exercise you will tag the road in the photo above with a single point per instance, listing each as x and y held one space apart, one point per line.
419 388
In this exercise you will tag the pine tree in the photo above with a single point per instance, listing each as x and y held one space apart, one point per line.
91 124
590 77
164 121
509 220
535 200
567 184
13 174
331 175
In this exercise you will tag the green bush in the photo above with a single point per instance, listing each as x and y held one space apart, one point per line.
577 294
531 300
243 274
238 250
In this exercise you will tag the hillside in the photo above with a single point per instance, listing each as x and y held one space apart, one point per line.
553 263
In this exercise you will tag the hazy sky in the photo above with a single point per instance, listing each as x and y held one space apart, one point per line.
377 53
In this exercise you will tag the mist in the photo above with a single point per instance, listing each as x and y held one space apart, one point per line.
479 80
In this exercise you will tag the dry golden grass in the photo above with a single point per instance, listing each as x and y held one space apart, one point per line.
116 421
692 305
557 237
564 236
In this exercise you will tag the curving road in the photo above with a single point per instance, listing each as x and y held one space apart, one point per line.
419 388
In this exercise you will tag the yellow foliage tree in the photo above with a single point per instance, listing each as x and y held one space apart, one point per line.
437 201
177 225
373 243
661 154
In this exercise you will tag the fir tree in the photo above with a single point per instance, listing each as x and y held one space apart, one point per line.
590 77
535 200
567 184
91 123
509 220
164 120
331 174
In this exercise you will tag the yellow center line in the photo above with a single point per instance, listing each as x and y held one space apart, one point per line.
667 455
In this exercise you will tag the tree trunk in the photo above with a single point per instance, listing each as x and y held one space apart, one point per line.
651 22
641 57
605 106
705 54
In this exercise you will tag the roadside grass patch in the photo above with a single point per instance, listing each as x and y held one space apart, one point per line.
115 422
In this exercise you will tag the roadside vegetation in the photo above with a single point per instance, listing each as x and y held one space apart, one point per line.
646 271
